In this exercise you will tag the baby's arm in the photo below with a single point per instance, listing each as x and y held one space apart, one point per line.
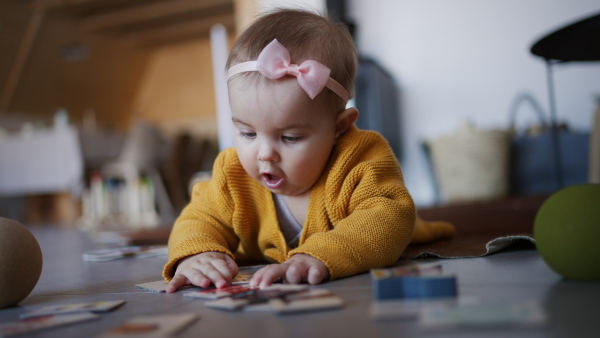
371 234
299 268
203 269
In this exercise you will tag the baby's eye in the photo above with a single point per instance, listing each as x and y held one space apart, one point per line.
291 138
247 134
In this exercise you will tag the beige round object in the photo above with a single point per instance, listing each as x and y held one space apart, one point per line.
20 262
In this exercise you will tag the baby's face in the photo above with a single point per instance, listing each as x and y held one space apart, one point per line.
283 138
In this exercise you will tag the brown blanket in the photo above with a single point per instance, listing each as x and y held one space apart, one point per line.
482 228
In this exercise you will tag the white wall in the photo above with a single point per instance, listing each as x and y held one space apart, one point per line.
458 60
314 5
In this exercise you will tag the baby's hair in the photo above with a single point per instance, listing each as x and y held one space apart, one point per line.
307 36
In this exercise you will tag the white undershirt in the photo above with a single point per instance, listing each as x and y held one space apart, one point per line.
289 226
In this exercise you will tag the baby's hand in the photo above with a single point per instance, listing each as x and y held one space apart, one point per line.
299 268
203 269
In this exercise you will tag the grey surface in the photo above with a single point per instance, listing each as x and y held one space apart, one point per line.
519 275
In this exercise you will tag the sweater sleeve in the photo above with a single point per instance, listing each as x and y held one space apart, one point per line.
372 215
205 223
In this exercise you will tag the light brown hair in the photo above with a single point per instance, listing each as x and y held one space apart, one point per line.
306 35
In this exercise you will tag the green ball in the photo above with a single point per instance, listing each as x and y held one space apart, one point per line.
567 230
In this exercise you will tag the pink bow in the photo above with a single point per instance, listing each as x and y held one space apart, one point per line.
274 63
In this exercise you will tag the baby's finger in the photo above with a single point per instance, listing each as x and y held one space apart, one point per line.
276 272
257 276
213 275
294 274
199 279
233 267
176 282
223 268
315 275
266 275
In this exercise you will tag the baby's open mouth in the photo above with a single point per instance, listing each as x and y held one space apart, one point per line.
272 181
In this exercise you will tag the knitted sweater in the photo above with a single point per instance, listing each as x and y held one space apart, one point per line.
360 214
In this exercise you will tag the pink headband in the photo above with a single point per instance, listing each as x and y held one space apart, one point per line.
274 63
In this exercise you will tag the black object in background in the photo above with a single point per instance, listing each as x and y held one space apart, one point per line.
376 95
377 103
579 41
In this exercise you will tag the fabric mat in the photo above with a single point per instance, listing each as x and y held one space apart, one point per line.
482 228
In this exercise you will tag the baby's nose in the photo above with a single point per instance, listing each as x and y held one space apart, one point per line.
267 152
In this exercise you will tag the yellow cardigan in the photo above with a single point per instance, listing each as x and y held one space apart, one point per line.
360 214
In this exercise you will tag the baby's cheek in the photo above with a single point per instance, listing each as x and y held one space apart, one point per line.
249 166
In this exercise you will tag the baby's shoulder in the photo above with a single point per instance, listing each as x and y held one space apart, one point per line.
227 166
227 160
364 145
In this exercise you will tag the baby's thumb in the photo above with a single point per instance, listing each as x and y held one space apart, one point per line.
177 281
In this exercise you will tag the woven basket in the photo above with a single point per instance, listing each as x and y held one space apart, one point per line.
472 165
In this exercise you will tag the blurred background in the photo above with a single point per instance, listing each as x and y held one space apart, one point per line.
109 108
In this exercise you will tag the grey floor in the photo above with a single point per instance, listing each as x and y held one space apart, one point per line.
513 275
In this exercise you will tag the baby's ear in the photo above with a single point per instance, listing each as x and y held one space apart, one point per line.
344 120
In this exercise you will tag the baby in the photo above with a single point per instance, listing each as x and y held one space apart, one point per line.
303 188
